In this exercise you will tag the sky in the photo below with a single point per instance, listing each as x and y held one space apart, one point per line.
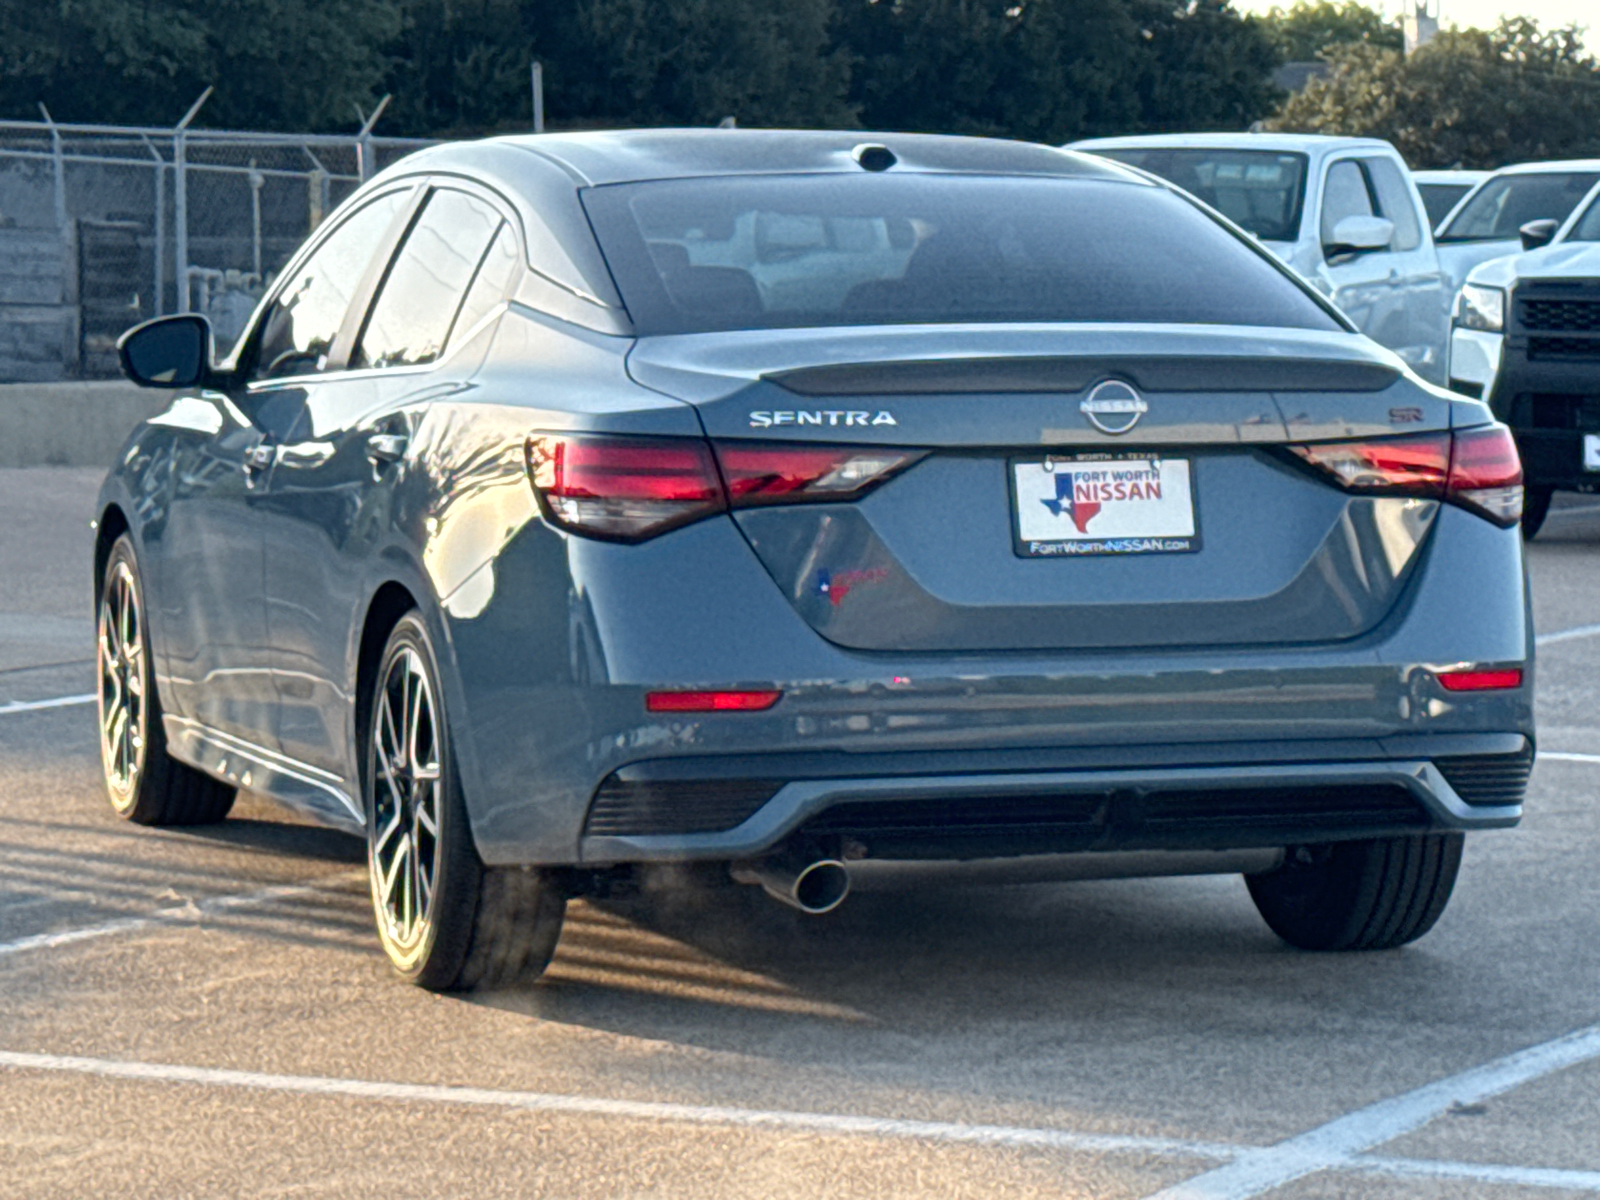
1485 14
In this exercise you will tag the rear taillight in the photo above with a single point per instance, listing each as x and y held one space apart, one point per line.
1477 469
623 489
1486 473
766 473
631 488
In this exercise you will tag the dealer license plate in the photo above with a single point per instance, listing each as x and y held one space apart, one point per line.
1083 504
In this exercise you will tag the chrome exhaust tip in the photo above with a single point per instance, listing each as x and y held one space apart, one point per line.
812 885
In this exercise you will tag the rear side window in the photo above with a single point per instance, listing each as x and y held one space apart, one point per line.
1394 202
1345 194
492 283
1507 202
417 304
1258 190
299 327
698 255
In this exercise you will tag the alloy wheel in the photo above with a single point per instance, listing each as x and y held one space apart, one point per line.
124 713
404 838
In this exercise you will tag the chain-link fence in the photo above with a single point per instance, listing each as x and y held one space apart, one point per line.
102 227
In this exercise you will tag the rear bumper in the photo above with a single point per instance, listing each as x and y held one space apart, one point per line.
729 808
545 712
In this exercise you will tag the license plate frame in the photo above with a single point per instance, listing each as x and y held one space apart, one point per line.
1174 525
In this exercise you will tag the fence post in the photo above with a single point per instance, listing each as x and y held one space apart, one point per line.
364 138
158 301
180 203
59 163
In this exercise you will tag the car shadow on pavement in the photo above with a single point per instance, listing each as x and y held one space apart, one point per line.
1111 956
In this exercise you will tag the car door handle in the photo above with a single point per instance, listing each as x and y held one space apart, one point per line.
386 447
1394 274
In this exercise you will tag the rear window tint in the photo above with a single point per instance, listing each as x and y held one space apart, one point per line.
698 255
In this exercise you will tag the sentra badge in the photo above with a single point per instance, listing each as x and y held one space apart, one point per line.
824 416
1113 406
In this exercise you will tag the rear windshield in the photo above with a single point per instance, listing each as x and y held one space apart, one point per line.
1440 198
701 255
1507 202
1260 190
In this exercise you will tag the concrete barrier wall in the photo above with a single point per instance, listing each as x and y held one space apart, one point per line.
80 424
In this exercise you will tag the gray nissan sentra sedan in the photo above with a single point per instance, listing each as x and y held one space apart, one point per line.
821 508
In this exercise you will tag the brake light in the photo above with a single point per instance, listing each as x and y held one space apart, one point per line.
623 489
1481 681
766 473
1477 469
1486 474
628 489
711 701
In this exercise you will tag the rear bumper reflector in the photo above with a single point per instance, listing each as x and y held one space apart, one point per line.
711 701
1481 681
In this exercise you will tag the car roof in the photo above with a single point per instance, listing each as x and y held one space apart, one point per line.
1454 175
1301 143
634 155
1554 165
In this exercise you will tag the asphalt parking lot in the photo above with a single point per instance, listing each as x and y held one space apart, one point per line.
207 1012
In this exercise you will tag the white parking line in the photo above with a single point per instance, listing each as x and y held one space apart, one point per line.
1566 635
843 1124
1426 1168
188 913
1336 1144
1568 756
646 1110
22 706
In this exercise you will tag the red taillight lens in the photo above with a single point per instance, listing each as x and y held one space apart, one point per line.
1486 473
1481 681
1412 466
628 489
766 473
624 489
711 701
1475 468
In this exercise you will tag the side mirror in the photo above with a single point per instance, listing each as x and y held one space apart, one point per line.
168 352
1359 235
1538 233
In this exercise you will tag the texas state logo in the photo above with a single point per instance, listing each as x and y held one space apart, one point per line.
1079 513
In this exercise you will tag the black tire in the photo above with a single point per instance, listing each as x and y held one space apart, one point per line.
1359 895
144 783
473 926
1535 508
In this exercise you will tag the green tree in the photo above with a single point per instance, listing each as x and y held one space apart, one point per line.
1469 97
1305 31
693 62
285 64
1054 70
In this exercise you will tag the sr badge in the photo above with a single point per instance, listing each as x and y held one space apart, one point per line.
1113 406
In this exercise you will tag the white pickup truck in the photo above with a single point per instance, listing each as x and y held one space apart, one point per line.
1341 211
